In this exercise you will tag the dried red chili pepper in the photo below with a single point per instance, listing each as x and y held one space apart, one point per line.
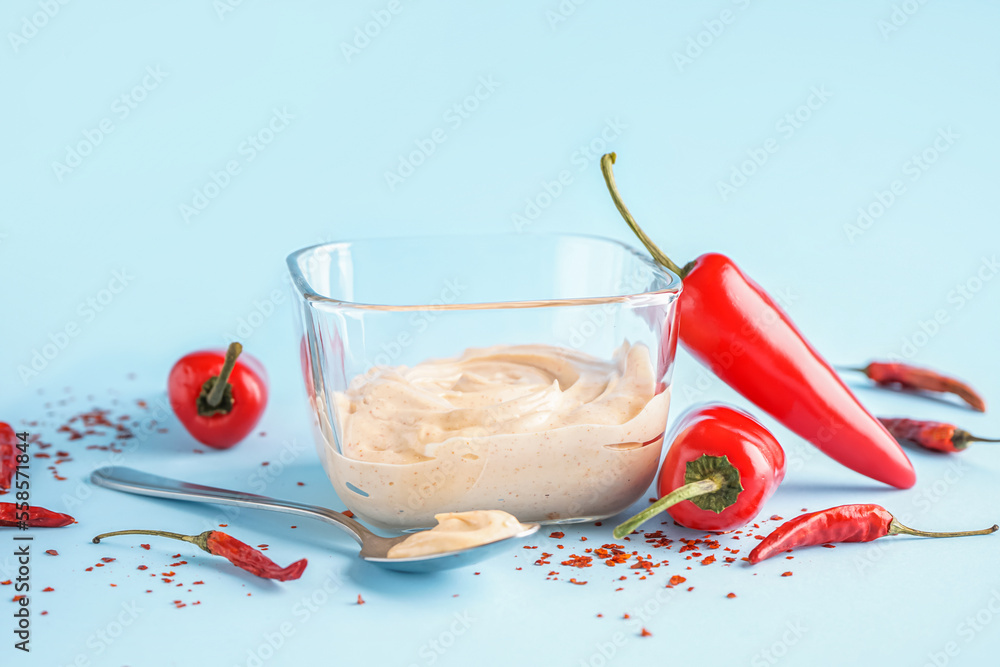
8 455
218 398
904 376
724 462
938 436
730 324
239 554
846 523
38 517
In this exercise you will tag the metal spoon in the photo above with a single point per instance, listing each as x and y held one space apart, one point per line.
374 548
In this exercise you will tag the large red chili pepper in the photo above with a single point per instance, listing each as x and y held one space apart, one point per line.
735 328
218 398
846 523
904 376
13 515
724 462
8 455
238 553
937 436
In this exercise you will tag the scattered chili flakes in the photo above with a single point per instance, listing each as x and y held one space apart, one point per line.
47 589
829 546
145 546
676 580
361 600
6 582
52 552
348 513
578 583
731 595
198 583
558 535
708 560
645 633
786 574
626 617
143 567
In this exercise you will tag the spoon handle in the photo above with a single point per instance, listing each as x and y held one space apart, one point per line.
141 483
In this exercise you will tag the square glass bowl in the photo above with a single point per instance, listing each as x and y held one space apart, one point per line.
369 311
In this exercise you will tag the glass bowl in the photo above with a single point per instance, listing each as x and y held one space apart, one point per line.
527 373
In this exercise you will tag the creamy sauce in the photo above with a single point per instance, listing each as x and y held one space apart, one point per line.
458 530
544 432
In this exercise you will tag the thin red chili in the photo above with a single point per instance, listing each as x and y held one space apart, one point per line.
937 436
12 515
722 460
238 553
730 324
8 455
904 376
846 523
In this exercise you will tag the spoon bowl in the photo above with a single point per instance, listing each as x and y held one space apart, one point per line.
374 548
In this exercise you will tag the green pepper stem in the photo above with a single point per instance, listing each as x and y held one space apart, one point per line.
199 540
222 379
609 177
896 528
686 492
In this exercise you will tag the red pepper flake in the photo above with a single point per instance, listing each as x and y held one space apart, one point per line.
578 583
348 513
176 556
47 589
677 580
708 560
598 523
145 546
829 546
6 582
645 633
265 463
302 484
731 596
758 537
113 585
107 560
361 600
477 573
98 564
619 589
45 613
52 552
143 567
180 562
18 597
626 617
775 517
786 574
690 588
558 535
89 569
198 583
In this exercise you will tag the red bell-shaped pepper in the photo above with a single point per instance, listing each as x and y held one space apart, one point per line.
735 328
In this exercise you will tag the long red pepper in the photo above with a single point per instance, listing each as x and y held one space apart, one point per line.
846 523
937 436
722 460
735 328
8 455
904 376
238 553
11 516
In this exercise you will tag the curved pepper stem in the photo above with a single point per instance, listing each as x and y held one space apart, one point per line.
200 540
896 528
216 395
609 177
713 484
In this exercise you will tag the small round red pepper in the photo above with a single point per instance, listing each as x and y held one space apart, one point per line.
218 397
721 468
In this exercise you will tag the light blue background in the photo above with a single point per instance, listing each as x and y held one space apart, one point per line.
891 83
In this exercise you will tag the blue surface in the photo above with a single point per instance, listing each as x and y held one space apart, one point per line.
298 134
